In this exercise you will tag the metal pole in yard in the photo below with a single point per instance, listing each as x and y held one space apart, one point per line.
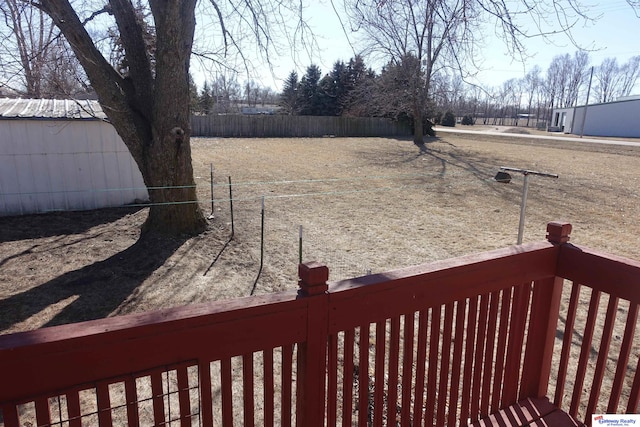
262 236
525 193
523 207
211 181
231 204
255 283
300 245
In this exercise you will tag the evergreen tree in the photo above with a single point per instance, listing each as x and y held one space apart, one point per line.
334 87
310 94
359 85
206 99
194 99
289 96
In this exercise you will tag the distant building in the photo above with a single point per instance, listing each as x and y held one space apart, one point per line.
620 118
267 109
62 155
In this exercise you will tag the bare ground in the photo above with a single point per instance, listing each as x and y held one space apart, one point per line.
365 204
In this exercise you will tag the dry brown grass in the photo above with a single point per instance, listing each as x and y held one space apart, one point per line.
364 203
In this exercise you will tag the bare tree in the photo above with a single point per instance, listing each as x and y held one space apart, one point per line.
150 105
558 79
577 74
35 60
531 85
424 30
251 92
613 80
607 78
629 74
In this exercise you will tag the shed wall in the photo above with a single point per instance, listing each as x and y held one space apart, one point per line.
52 165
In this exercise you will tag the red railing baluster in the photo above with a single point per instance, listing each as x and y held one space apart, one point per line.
634 399
567 338
445 366
503 331
206 395
394 355
458 346
421 360
73 409
332 380
603 354
407 368
585 350
287 385
363 376
348 377
269 387
10 416
43 412
432 373
226 392
159 417
379 373
479 360
104 404
623 359
467 397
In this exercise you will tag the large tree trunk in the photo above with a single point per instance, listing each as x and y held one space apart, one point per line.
149 108
418 129
169 156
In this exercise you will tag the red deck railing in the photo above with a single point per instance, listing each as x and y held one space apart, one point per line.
445 343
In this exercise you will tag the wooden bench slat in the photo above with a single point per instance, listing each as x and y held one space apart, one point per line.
529 412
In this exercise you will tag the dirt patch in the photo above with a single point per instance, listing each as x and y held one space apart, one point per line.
365 204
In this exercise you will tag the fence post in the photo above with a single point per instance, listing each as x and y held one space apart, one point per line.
312 354
545 309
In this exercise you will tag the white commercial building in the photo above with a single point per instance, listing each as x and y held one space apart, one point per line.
620 118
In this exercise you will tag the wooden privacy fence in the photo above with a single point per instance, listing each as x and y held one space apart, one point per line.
443 344
277 126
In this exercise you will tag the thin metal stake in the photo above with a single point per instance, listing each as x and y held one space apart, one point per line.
231 204
255 283
262 236
300 246
212 211
523 207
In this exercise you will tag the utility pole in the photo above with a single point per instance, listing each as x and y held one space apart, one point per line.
584 117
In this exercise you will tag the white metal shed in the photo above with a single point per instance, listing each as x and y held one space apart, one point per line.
62 155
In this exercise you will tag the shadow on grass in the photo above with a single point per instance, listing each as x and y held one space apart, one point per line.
58 223
91 292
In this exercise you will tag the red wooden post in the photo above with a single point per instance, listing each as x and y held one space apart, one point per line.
312 354
558 232
313 278
545 309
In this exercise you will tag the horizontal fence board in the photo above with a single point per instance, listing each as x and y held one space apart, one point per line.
113 353
607 273
280 126
435 284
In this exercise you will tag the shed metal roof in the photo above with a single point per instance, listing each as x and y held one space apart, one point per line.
59 109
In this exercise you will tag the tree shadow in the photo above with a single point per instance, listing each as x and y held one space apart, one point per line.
94 291
36 226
